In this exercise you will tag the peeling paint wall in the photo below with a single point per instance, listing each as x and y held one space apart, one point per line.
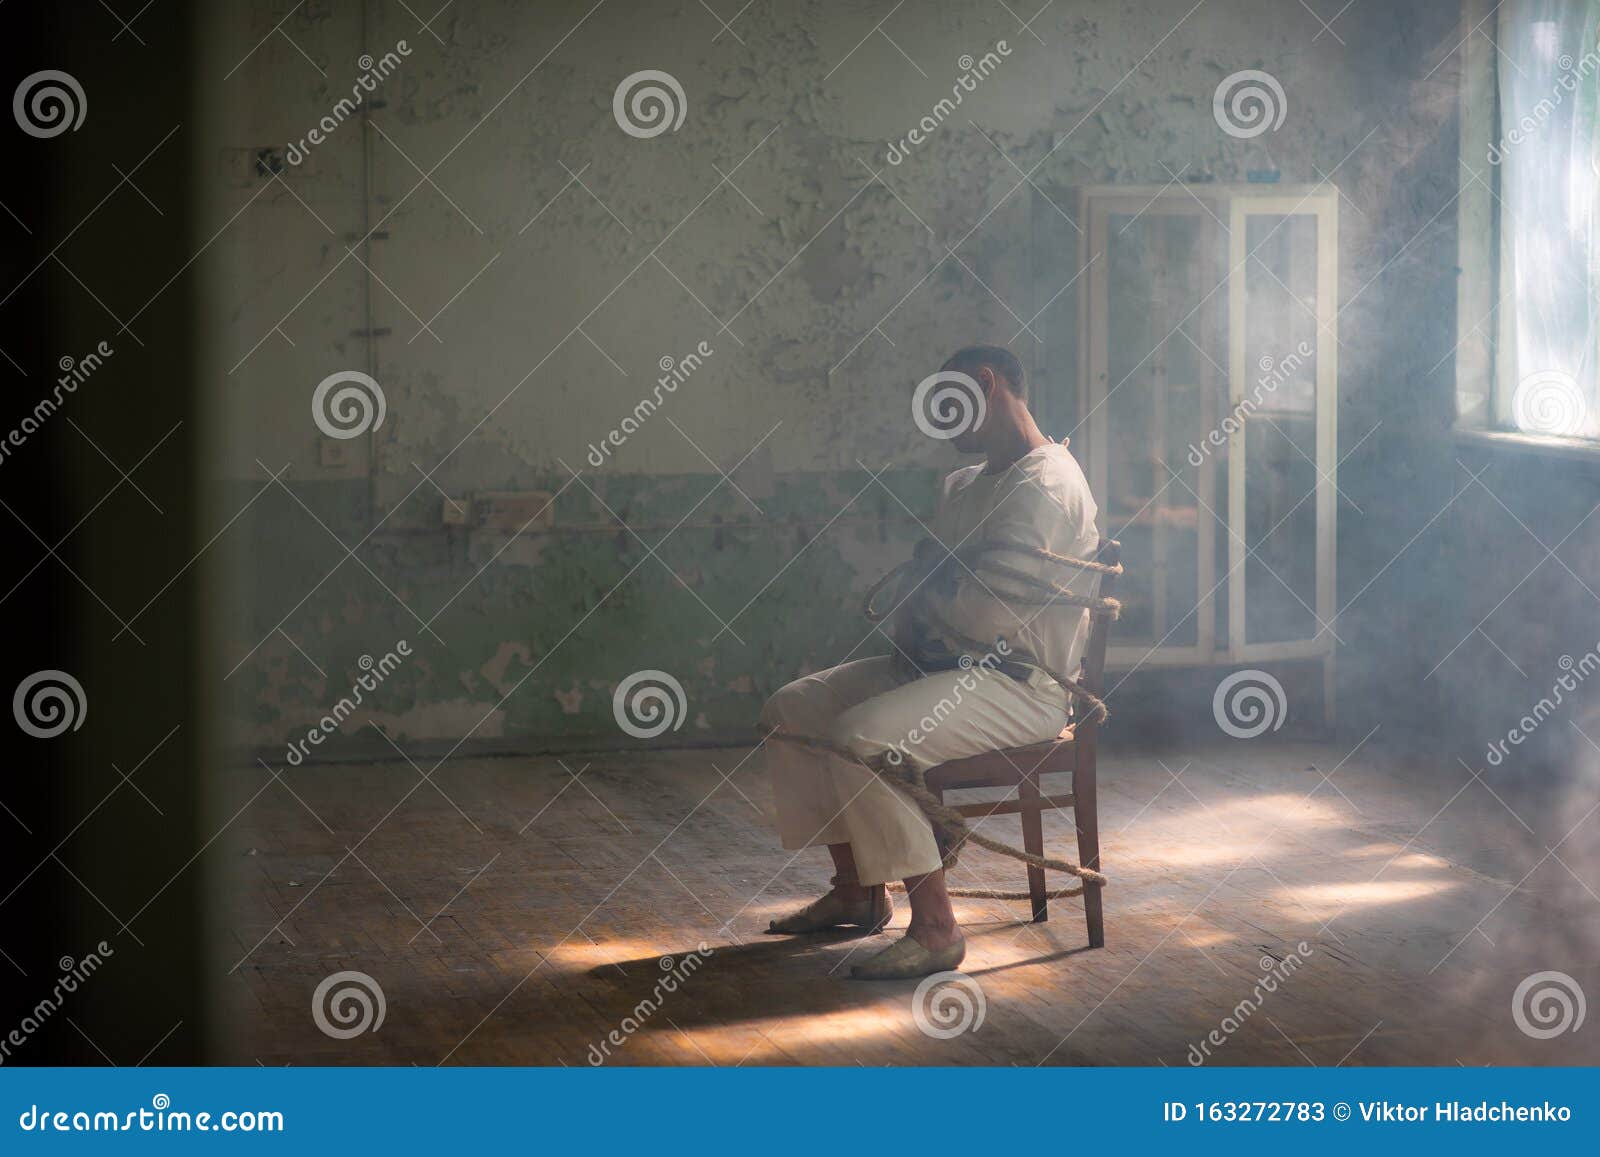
534 264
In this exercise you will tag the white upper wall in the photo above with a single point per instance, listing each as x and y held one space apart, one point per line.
549 302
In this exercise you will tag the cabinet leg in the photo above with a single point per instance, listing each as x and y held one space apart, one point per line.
1329 664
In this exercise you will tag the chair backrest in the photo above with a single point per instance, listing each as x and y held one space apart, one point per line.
1094 655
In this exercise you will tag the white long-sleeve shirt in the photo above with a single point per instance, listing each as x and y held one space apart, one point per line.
1042 500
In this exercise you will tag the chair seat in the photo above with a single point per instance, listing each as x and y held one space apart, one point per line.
1007 766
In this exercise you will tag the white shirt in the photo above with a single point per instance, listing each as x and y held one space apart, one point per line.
1042 500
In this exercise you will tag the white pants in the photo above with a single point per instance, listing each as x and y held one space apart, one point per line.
872 709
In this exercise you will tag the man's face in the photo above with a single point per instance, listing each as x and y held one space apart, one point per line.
970 440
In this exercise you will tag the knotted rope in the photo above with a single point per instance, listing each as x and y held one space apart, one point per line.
1035 592
950 827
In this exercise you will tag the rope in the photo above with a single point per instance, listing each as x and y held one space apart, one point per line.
950 827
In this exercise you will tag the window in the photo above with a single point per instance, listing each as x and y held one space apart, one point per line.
1530 297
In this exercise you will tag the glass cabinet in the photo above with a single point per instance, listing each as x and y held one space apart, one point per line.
1208 368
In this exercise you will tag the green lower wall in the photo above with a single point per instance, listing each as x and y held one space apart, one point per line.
565 612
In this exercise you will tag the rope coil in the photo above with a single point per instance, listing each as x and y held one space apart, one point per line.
950 827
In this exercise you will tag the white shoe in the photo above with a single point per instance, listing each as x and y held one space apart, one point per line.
907 958
830 911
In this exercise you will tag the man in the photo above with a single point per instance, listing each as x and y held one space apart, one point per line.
936 700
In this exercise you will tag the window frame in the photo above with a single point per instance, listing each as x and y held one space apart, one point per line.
1479 370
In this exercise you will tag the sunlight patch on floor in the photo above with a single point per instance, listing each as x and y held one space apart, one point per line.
1325 901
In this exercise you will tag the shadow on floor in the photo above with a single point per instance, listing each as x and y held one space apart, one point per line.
781 976
786 976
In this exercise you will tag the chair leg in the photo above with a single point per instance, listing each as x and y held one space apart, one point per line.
1087 814
1033 842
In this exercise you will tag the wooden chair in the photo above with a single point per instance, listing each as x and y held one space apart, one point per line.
1020 767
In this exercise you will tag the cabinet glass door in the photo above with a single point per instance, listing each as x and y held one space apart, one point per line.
1281 360
1207 389
1158 352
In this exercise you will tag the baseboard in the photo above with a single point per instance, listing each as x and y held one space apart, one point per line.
433 750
